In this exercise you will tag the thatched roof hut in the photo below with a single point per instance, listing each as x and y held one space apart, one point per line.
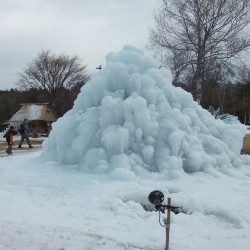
39 116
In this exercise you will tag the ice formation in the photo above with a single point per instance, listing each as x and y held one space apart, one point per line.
129 119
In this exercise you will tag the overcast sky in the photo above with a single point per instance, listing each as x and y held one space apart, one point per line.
89 29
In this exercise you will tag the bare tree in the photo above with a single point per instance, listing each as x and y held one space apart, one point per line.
53 74
203 32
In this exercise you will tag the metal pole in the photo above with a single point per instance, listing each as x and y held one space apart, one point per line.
168 224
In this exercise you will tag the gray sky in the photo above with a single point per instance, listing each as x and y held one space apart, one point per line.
89 29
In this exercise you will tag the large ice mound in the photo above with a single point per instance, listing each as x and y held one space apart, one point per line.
129 119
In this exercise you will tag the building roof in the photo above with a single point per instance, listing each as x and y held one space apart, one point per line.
34 111
5 123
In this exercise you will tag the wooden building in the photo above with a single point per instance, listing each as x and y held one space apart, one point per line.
39 117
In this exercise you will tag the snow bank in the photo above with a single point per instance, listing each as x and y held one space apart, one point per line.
48 206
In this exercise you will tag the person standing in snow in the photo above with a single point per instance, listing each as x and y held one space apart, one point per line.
9 138
24 132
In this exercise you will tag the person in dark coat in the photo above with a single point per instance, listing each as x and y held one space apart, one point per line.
9 138
24 132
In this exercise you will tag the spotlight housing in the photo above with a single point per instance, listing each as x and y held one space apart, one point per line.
156 197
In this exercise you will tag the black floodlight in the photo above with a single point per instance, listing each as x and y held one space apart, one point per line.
156 197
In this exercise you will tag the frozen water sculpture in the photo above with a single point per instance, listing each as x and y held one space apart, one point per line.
129 119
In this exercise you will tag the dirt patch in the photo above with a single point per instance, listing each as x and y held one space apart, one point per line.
246 144
36 143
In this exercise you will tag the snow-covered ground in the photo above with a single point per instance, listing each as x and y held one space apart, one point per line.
130 132
48 206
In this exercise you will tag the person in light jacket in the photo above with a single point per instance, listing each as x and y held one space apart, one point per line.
24 132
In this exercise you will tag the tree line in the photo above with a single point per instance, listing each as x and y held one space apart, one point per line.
10 101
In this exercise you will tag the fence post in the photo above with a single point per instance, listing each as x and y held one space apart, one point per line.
168 224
